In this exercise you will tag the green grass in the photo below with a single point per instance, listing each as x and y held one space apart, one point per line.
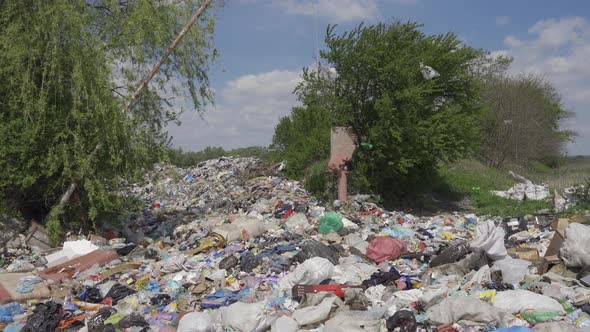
570 172
472 179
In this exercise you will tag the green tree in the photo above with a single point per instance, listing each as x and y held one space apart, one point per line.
303 137
522 120
413 122
67 67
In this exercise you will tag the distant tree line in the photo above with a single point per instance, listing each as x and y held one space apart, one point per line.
178 157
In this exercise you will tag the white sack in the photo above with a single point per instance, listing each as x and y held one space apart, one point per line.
490 239
575 250
520 300
310 272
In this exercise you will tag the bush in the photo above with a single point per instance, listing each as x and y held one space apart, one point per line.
318 179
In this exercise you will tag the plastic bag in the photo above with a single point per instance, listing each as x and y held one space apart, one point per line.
450 255
119 292
228 262
315 314
249 261
9 310
404 320
247 317
93 295
513 270
455 309
312 248
310 272
520 300
282 324
133 320
297 223
489 239
575 250
45 318
242 228
96 322
536 317
514 329
196 322
356 321
384 248
331 221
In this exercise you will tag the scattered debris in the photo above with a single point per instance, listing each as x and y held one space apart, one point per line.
525 190
230 246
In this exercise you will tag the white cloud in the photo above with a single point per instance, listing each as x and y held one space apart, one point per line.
503 20
335 10
559 49
339 10
248 109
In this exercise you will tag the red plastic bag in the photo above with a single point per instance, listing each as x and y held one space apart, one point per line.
383 248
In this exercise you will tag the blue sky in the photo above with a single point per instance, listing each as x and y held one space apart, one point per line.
264 44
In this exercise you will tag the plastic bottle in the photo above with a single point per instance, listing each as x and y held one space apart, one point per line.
583 321
580 318
568 307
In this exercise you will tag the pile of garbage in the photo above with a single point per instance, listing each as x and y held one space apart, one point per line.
524 190
231 246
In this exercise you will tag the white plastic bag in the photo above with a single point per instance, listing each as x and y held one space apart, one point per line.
575 251
428 72
520 300
456 309
352 272
244 225
284 324
247 317
355 240
195 322
297 223
513 270
310 272
354 321
315 314
490 239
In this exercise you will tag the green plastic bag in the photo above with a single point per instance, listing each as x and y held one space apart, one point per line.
331 221
536 317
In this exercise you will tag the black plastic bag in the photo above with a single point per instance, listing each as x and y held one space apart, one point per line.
119 292
248 261
160 300
93 295
228 262
382 278
451 255
311 248
133 320
124 251
404 319
96 322
45 318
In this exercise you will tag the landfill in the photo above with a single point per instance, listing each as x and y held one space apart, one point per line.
230 245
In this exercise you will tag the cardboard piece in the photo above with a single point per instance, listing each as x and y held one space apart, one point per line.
552 255
529 254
